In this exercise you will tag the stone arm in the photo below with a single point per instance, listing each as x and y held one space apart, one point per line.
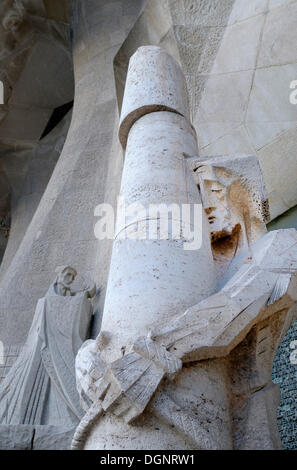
90 290
216 326
264 285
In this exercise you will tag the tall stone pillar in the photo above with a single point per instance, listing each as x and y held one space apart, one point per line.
153 279
183 362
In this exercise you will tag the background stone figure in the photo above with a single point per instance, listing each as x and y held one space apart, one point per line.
40 387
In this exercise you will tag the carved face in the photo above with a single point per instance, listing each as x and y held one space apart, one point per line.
66 277
12 26
214 194
12 21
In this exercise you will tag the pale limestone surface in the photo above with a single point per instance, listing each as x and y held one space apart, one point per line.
106 34
242 10
148 91
45 367
87 173
39 389
26 437
154 172
238 35
29 185
34 84
140 394
233 113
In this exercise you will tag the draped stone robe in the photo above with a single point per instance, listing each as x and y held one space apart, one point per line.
40 387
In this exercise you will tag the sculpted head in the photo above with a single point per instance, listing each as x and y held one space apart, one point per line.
65 275
215 199
14 16
233 197
13 26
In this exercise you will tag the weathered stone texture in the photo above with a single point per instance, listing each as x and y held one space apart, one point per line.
204 372
238 58
245 100
284 374
26 437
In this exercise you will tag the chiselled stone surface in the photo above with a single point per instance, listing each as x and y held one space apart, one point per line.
148 92
40 386
163 306
284 374
238 114
88 169
215 356
28 437
10 355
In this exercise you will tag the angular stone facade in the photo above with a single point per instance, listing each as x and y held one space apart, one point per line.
203 114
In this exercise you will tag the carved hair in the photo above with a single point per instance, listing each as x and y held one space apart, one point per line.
61 269
15 16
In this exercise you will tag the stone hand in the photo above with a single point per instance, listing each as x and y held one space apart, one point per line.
129 383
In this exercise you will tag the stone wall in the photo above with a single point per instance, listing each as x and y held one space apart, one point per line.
238 57
284 372
245 105
10 355
239 60
88 172
285 375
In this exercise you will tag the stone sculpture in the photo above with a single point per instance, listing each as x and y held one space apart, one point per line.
13 26
40 387
184 360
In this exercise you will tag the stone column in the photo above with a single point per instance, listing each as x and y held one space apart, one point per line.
151 280
197 368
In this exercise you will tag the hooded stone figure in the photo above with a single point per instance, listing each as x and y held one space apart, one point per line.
40 386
